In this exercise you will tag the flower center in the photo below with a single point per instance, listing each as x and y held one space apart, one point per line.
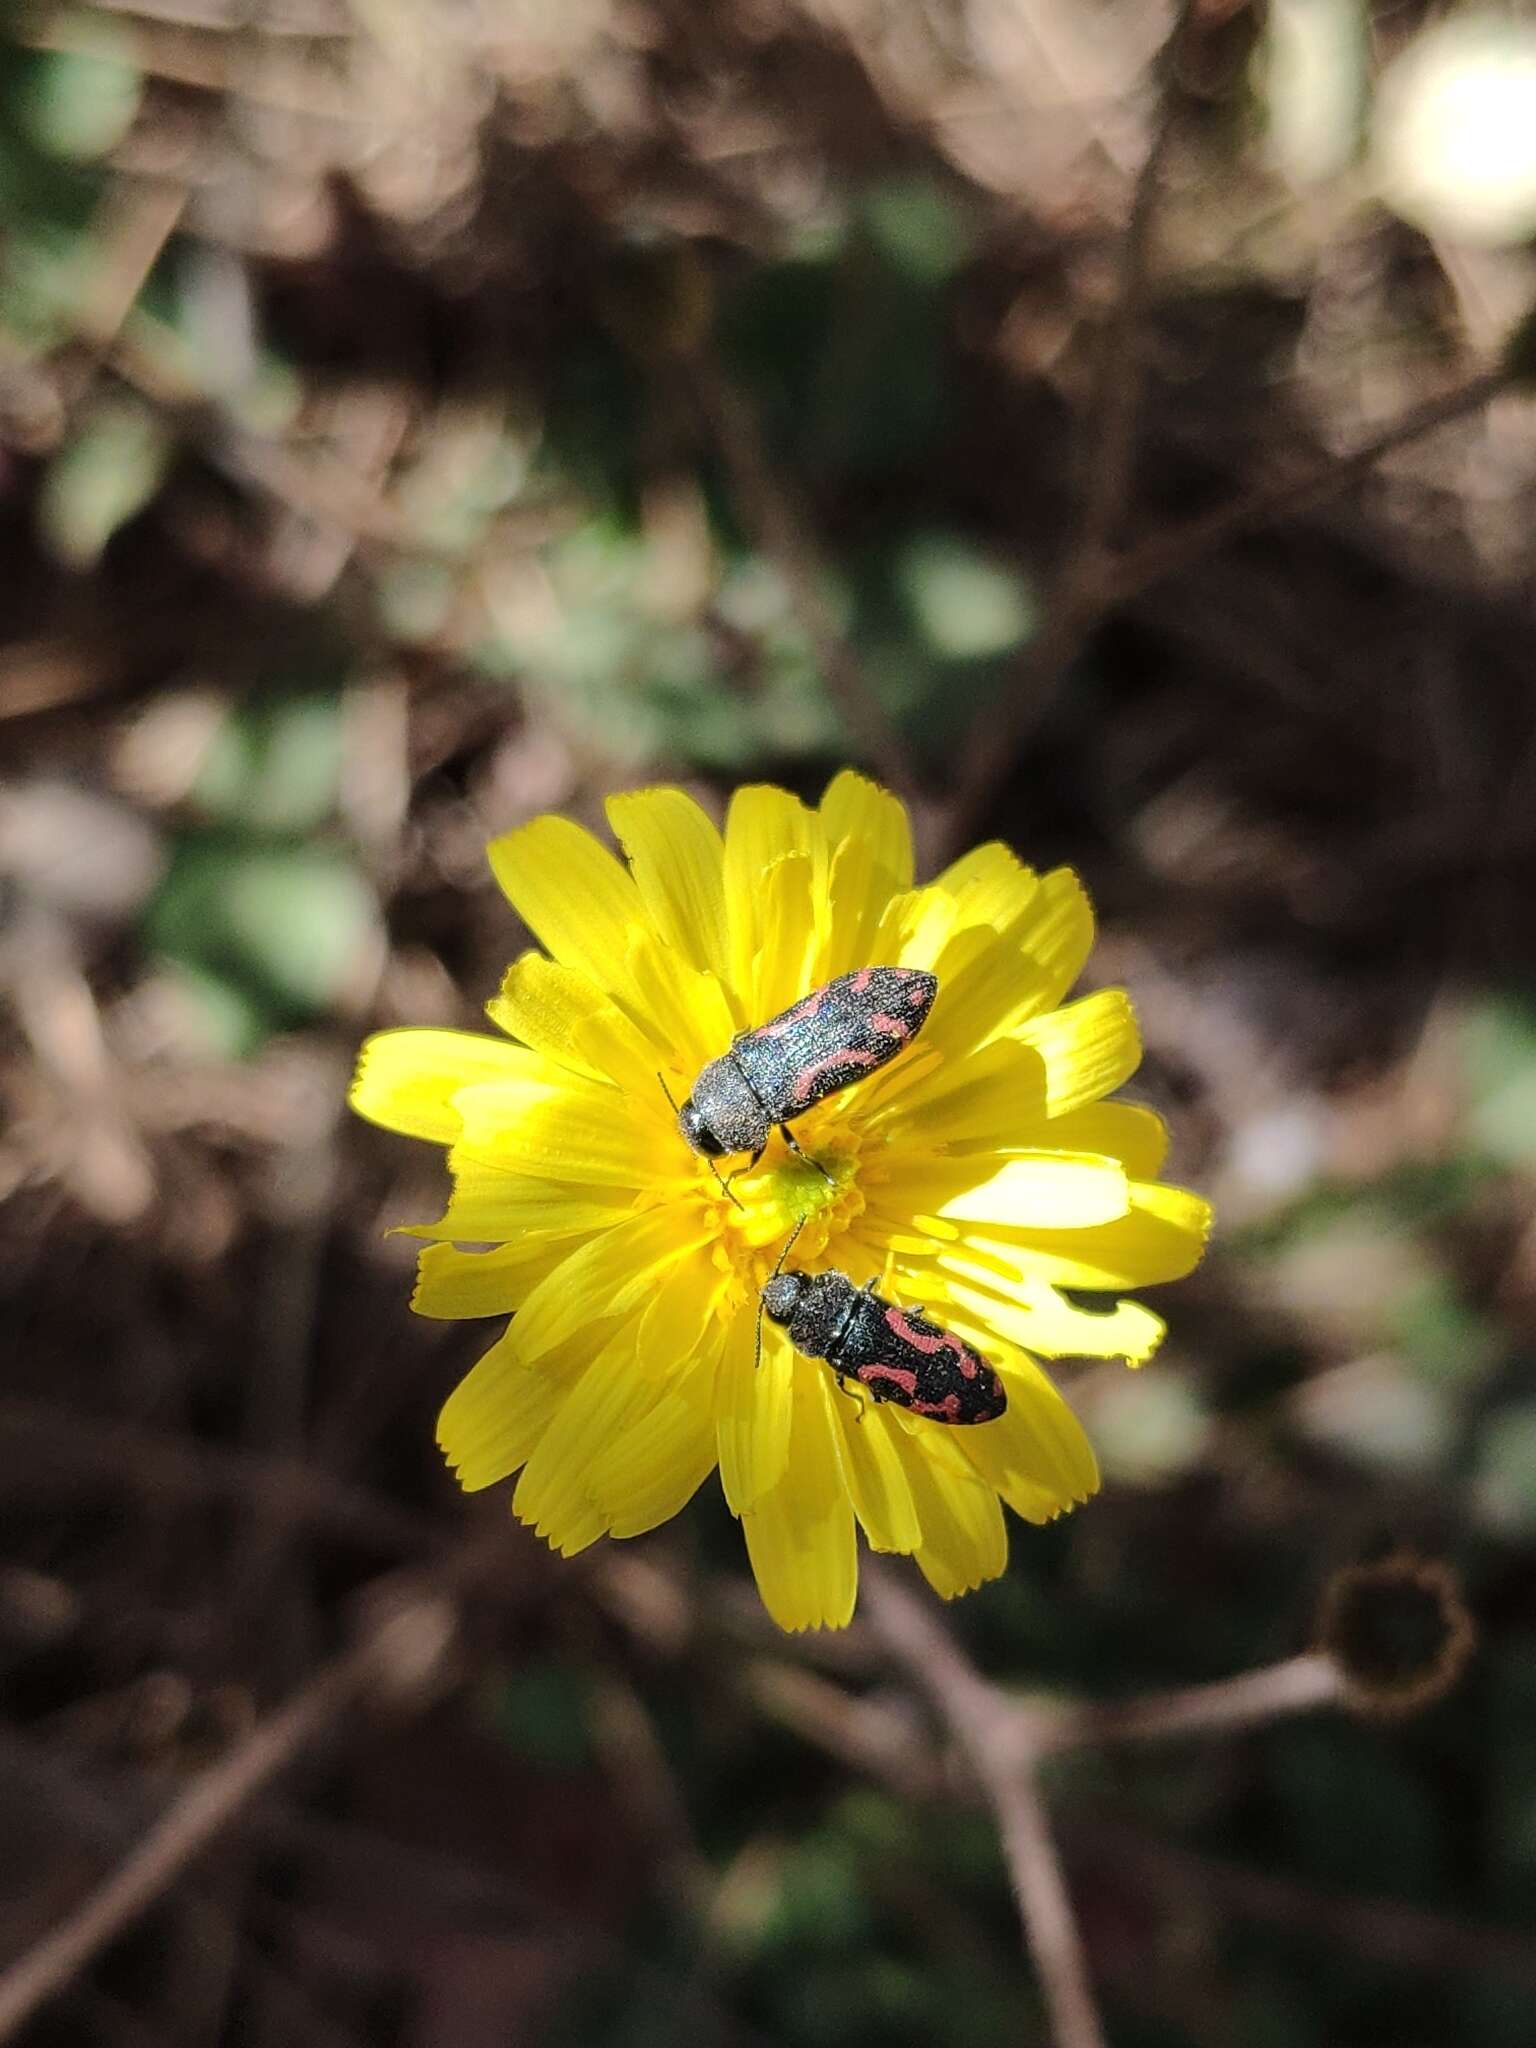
814 1191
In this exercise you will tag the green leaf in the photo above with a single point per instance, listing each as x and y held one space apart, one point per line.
1504 1486
107 470
918 227
1445 1341
1373 1410
541 1710
822 1903
295 927
1498 1042
1149 1427
80 103
223 1020
274 764
965 607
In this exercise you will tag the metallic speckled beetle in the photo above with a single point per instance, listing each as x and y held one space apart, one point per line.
893 1355
828 1040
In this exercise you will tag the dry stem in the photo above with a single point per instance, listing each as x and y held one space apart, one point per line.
394 1650
995 1735
1155 561
1005 1740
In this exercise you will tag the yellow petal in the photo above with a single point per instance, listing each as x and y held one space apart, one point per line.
678 861
1035 1454
407 1080
1089 1048
496 1415
916 927
985 987
689 1015
856 810
762 826
582 1132
1161 1238
545 1005
572 894
678 1318
452 1284
800 1536
491 1204
654 1469
753 1410
877 1479
1033 1314
621 1052
965 1540
997 1093
1046 1189
606 1276
788 923
553 1496
1057 933
849 916
990 885
1137 1137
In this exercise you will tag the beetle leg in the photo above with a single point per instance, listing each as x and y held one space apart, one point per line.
848 1394
799 1150
726 1183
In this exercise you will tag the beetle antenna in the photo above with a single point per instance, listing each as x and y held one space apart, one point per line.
789 1245
725 1186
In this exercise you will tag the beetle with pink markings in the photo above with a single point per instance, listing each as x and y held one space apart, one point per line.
892 1354
831 1038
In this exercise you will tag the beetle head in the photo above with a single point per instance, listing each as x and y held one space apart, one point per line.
781 1296
690 1121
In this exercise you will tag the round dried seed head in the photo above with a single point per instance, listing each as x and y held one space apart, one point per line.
1399 1632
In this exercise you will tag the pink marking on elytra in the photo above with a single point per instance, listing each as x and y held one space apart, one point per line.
947 1410
894 1027
899 1375
847 1058
946 1340
861 980
800 1014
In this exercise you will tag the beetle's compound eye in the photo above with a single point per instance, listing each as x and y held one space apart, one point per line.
781 1296
690 1122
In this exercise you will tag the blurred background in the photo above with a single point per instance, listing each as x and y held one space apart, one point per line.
417 414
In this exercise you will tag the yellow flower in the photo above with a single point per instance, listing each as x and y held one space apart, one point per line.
978 1175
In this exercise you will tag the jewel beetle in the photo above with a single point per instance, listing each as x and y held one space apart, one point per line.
894 1355
826 1041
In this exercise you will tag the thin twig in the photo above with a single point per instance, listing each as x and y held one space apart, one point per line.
1005 1740
192 1822
59 1449
1390 1931
999 1743
1156 560
1075 601
1295 1686
403 1643
1040 1886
